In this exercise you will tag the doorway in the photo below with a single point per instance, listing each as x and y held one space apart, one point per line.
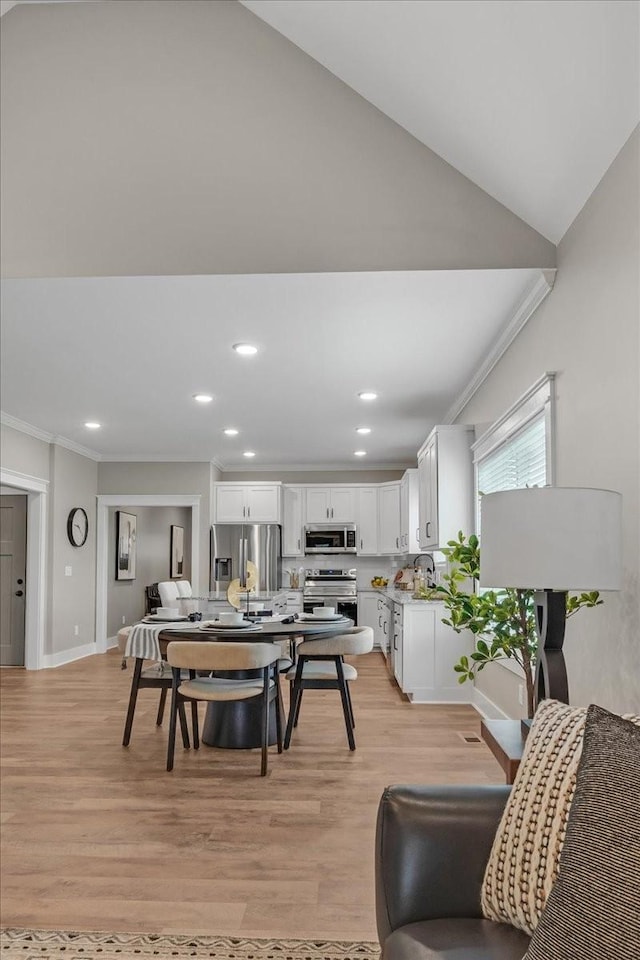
13 575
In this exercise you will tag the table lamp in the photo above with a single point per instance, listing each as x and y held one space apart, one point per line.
551 540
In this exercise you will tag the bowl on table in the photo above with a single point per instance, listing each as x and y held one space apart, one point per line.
231 617
324 611
171 613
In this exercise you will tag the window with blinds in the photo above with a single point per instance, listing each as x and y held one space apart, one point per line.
516 451
519 462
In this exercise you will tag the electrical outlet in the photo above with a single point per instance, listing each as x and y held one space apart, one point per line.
76 630
68 572
124 620
521 694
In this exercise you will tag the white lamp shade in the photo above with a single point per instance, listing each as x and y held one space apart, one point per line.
558 538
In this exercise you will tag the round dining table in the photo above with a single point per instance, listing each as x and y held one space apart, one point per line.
236 724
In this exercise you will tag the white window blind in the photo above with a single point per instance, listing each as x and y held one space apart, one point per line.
521 461
516 451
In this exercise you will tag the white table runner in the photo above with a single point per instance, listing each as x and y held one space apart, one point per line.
143 639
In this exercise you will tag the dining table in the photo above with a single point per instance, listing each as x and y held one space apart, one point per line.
234 724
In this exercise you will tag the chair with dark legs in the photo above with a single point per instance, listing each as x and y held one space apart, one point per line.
231 657
155 676
320 666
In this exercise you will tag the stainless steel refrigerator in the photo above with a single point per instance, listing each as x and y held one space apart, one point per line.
233 544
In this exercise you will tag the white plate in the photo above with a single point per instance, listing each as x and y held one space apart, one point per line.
216 625
322 616
154 618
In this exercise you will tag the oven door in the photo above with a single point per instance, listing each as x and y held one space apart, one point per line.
346 607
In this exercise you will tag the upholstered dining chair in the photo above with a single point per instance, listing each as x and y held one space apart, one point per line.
169 593
228 657
320 666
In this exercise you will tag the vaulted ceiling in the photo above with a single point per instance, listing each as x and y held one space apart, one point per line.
368 190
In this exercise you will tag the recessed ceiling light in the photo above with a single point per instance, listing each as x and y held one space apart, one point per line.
246 349
202 397
368 395
359 453
248 453
363 429
92 425
231 432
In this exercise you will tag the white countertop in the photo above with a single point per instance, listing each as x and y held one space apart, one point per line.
403 597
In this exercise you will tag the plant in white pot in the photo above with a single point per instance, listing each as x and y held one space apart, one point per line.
502 621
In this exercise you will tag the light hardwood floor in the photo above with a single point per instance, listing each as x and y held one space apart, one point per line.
99 837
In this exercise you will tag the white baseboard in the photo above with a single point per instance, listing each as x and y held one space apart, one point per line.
452 695
487 708
68 656
112 642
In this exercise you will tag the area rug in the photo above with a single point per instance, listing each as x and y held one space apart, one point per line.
19 944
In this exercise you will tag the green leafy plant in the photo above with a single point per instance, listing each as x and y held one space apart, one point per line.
501 621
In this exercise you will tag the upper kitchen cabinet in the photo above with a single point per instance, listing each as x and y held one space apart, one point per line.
247 502
292 521
325 504
409 520
367 520
445 486
389 527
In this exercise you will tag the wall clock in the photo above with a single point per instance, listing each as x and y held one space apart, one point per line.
77 526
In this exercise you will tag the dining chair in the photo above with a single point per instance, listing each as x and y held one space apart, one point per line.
320 666
169 593
228 657
155 676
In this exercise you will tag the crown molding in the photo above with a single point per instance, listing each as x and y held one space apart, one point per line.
23 427
148 458
314 467
216 463
77 448
531 300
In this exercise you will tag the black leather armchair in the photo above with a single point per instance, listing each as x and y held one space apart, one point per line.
432 846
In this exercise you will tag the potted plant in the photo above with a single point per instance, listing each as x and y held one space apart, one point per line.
502 621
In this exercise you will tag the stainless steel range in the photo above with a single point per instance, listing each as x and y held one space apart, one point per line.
331 588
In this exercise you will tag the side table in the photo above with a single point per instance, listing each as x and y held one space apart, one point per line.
505 739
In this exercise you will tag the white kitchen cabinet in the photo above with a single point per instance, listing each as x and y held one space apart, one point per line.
430 650
328 504
385 620
369 616
445 486
396 642
367 521
292 602
409 520
247 502
389 523
292 521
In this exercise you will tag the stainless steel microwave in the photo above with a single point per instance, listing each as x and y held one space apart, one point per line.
330 538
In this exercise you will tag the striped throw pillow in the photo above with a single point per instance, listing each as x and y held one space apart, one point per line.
593 911
523 865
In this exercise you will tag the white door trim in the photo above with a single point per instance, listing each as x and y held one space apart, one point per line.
35 612
103 565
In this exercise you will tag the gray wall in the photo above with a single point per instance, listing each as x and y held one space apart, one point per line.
23 453
71 600
126 598
265 161
587 331
169 478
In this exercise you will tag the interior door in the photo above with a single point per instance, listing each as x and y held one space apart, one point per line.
13 555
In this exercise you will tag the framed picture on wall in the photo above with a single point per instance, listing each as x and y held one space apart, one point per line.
176 567
125 545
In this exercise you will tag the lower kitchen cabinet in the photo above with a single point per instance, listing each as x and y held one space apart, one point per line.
429 651
374 611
